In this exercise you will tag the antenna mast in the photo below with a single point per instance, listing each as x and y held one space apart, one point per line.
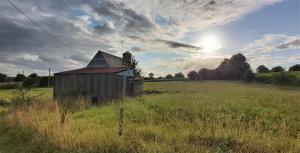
122 43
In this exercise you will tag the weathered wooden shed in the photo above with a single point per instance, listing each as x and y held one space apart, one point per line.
105 78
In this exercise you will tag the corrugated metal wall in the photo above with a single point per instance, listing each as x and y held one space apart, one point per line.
103 86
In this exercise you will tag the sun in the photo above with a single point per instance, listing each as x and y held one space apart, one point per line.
210 42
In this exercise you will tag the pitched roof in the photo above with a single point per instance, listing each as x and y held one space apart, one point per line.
102 59
95 70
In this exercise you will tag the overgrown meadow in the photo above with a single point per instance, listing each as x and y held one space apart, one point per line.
203 116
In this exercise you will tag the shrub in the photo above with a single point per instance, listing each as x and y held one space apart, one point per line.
30 82
263 78
10 85
277 69
284 79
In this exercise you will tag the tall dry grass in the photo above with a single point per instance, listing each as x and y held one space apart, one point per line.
184 117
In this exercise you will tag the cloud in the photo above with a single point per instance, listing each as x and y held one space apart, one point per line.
195 14
174 44
273 43
15 36
261 51
87 26
79 57
104 29
292 44
125 19
136 49
168 43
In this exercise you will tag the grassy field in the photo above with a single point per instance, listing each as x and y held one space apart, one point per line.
208 116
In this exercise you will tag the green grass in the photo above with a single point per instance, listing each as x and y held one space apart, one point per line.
40 93
208 116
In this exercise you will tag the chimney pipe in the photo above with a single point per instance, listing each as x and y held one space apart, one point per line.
127 59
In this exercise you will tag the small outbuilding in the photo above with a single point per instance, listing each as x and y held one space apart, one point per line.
106 77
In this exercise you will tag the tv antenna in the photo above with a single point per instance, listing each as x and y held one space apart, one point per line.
122 43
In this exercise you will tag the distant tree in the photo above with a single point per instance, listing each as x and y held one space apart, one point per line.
207 74
138 78
295 67
20 77
238 66
33 75
249 76
193 75
151 75
262 69
224 70
179 75
277 69
3 77
233 68
169 76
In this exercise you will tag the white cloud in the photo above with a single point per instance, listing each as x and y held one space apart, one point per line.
162 22
272 43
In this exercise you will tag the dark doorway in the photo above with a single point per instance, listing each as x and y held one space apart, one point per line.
94 100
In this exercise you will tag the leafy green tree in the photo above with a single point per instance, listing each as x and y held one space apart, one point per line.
151 75
33 76
3 77
179 75
295 67
233 68
262 69
20 77
193 75
277 69
207 74
169 76
249 76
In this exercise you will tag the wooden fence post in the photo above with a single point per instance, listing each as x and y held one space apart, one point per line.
120 122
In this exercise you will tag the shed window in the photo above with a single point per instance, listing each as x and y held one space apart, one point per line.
94 100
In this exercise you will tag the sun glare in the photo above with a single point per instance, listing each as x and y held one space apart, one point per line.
210 42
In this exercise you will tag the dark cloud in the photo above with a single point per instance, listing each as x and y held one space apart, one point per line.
175 44
294 43
136 49
172 44
129 20
103 29
79 58
14 37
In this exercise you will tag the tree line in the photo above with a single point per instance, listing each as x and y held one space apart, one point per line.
32 80
264 69
235 68
176 76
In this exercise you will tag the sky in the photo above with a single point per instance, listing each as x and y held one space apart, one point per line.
165 36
